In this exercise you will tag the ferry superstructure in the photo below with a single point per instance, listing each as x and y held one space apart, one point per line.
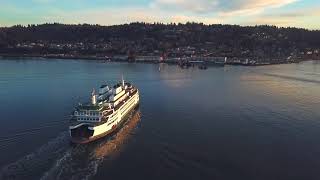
104 114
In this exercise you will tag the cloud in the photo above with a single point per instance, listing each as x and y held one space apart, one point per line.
224 8
293 18
293 14
199 6
243 12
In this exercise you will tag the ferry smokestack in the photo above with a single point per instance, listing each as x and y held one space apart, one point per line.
122 82
93 97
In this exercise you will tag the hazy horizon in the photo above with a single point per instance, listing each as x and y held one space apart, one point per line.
281 13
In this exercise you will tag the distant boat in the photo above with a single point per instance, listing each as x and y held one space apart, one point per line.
203 66
184 64
104 114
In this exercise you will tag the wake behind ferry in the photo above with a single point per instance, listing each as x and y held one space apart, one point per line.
104 114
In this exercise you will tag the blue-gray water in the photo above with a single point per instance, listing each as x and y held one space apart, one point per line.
235 122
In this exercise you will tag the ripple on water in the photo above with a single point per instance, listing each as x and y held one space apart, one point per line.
35 163
83 161
60 160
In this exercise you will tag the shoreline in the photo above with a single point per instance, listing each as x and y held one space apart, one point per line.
95 58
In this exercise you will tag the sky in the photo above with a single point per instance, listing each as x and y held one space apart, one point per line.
284 13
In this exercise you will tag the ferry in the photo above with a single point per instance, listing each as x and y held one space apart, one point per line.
105 113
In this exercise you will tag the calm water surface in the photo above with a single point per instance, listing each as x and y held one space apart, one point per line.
235 122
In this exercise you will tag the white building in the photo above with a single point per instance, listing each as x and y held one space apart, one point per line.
148 58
